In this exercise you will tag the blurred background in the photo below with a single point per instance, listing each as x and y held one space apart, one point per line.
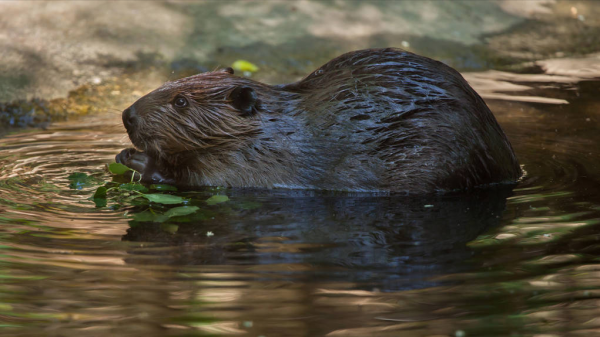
50 48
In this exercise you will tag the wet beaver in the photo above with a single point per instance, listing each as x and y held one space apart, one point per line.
369 120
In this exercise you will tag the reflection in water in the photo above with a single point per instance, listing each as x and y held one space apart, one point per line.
500 262
388 243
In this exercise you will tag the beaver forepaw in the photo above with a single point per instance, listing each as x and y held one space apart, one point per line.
143 164
133 159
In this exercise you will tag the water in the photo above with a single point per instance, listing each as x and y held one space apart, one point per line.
519 261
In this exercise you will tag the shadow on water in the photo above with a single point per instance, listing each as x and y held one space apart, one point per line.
387 243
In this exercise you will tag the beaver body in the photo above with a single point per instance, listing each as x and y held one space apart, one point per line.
370 120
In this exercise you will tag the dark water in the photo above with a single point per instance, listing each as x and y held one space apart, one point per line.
504 262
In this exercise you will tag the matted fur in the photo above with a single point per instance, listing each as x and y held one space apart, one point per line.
370 120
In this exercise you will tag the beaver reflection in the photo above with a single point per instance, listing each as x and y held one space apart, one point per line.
385 242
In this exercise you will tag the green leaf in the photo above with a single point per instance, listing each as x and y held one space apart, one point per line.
243 65
165 199
100 202
139 201
217 199
144 216
181 210
148 216
79 180
46 187
100 193
133 187
99 197
163 187
169 228
116 168
77 176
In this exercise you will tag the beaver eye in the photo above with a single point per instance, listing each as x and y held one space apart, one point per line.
180 102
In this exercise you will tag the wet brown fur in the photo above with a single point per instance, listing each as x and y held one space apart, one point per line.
370 120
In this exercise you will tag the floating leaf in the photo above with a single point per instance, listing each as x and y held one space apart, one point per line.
181 210
79 180
100 202
116 168
144 216
77 176
217 199
47 187
133 187
100 193
166 199
99 197
148 216
163 187
243 65
169 228
138 201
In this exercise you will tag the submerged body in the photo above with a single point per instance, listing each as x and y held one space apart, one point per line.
370 120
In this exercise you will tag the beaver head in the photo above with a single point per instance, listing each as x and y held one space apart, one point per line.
214 110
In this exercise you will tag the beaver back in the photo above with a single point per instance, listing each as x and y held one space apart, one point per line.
402 122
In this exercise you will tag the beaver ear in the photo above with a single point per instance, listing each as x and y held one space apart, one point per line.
244 99
228 70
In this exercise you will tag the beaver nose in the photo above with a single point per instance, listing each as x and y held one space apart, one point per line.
129 117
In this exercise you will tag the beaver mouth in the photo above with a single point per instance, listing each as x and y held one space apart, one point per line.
148 145
136 140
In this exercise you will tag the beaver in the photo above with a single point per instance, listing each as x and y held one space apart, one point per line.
374 120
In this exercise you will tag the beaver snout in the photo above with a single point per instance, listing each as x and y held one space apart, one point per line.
129 118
